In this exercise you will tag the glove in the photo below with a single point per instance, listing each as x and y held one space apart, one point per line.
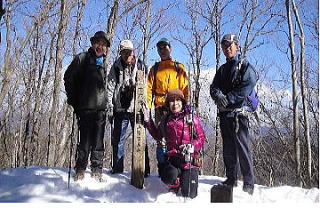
186 148
222 100
146 113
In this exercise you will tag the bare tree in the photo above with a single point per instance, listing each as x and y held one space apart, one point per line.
295 93
64 12
2 12
195 44
80 5
213 14
115 17
9 65
153 23
303 88
257 21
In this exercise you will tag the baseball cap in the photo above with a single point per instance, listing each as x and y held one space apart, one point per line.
165 41
126 44
100 34
230 38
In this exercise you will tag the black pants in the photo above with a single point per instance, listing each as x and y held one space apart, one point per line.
170 171
92 125
121 122
236 147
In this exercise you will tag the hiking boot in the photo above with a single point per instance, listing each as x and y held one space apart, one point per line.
230 182
248 188
114 171
79 175
97 176
176 184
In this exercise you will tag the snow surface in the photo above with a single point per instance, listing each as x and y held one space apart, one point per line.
49 185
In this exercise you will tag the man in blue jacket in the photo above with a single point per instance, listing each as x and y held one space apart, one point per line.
232 84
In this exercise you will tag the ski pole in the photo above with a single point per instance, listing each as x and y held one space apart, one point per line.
191 131
71 147
111 145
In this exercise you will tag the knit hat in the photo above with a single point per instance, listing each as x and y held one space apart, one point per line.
100 34
231 38
175 93
126 45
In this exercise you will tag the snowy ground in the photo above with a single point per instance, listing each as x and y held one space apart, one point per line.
49 185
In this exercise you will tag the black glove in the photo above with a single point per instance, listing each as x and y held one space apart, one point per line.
222 100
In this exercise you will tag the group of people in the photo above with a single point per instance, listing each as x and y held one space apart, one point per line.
98 97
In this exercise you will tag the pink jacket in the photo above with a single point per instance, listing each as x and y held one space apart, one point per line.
177 132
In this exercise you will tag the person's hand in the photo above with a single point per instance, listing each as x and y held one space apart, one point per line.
146 113
222 101
186 148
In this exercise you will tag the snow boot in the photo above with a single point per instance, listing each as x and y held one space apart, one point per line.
79 175
248 188
175 187
230 182
97 176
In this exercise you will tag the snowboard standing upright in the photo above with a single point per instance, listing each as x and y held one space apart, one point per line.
139 132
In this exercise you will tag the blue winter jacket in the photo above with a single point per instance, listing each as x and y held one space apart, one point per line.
235 84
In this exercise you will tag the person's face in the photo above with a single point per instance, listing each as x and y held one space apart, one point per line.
127 56
164 51
229 49
175 105
100 47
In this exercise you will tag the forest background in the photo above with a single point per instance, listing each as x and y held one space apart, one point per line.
280 38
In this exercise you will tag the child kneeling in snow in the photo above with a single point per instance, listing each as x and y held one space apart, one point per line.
174 132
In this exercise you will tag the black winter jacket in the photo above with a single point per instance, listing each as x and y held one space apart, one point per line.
85 83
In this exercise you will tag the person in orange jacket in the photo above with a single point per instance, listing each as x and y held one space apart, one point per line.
163 76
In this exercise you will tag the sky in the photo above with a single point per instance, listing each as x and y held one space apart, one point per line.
266 55
38 184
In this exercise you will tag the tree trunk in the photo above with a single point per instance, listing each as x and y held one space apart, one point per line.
8 66
2 12
81 6
113 20
57 82
294 93
146 32
303 90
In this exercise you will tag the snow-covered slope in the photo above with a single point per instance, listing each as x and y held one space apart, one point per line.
45 184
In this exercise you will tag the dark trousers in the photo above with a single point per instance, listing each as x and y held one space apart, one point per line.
92 125
236 147
170 171
121 123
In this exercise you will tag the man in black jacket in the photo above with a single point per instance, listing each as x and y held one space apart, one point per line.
231 86
85 84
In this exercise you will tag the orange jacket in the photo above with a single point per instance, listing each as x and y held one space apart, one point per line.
167 78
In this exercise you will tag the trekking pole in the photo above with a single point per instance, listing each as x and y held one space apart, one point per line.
191 130
71 147
111 149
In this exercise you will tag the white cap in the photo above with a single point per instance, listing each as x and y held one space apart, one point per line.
126 44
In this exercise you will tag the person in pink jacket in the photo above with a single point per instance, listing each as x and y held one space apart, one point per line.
174 132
